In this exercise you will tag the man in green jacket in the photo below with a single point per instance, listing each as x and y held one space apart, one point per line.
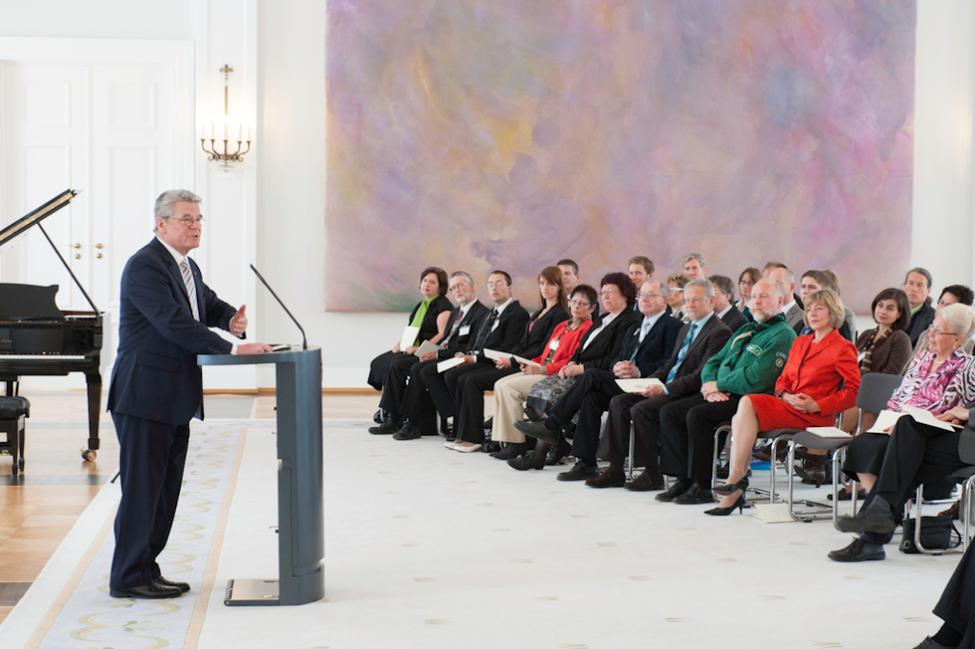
749 363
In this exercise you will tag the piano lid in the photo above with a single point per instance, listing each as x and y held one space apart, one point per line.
36 215
29 302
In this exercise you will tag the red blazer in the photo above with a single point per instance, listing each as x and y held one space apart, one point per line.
818 369
568 343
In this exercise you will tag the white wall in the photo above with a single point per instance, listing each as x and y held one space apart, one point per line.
279 199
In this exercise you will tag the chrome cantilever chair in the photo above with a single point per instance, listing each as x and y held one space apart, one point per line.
965 476
872 397
778 436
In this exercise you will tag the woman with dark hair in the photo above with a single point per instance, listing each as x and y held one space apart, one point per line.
430 317
469 421
886 348
746 280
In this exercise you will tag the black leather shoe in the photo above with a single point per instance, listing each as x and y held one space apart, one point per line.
538 430
556 454
148 591
676 489
509 452
389 426
872 519
533 415
378 416
579 471
696 495
407 432
649 480
610 477
182 586
858 551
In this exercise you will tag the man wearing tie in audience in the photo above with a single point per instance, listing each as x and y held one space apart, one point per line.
165 312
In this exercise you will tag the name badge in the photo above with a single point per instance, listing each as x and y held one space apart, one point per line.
464 331
554 344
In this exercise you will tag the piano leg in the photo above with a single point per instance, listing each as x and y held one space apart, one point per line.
94 381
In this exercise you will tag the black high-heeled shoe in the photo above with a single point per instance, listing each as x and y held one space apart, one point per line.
739 504
731 487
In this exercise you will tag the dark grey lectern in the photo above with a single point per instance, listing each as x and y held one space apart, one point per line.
301 545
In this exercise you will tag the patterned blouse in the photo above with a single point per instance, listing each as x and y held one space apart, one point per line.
939 391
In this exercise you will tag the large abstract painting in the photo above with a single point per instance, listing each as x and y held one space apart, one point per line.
481 134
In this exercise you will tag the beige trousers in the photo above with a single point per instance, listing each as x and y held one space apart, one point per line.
510 394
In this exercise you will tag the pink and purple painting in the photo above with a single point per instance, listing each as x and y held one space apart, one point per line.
475 134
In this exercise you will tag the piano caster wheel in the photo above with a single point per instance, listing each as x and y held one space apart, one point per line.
88 455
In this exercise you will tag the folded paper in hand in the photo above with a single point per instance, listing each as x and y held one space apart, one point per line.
527 361
408 337
495 355
637 385
443 366
829 432
426 347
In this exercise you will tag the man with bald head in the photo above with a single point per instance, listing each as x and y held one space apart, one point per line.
749 363
646 347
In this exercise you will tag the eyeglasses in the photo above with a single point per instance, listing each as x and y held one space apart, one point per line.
187 220
676 290
575 302
939 332
606 292
648 296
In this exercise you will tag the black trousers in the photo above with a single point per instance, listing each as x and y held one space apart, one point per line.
471 386
415 403
378 367
643 413
957 604
916 453
151 460
394 385
443 387
687 435
588 397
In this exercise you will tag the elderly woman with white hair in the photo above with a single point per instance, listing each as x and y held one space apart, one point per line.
941 380
937 380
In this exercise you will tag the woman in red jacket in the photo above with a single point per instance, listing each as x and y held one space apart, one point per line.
511 391
819 380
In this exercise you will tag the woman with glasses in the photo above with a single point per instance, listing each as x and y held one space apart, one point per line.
511 391
746 280
935 381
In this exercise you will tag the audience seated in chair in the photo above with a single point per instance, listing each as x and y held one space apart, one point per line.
724 295
646 347
746 280
942 381
952 294
917 286
406 387
511 391
792 310
675 295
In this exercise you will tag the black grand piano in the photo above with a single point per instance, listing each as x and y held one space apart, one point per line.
38 339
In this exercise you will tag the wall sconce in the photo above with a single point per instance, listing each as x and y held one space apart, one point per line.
240 146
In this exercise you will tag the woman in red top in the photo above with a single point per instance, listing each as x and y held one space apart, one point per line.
511 391
819 380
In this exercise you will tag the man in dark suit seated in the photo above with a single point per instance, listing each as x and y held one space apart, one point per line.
917 285
957 608
647 345
501 330
724 297
696 342
792 310
462 324
570 275
165 311
749 363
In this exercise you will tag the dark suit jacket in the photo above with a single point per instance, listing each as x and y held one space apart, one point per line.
605 348
655 349
155 375
533 342
966 440
734 319
508 332
795 318
706 344
469 325
920 321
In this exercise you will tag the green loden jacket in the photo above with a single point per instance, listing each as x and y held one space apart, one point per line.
752 359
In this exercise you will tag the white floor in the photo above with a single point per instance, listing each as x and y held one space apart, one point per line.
429 548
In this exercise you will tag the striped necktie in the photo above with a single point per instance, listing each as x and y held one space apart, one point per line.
184 269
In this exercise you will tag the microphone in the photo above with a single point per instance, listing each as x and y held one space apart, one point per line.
304 341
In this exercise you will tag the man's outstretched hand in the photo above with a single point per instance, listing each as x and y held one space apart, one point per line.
238 323
253 348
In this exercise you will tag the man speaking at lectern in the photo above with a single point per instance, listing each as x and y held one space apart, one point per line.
165 312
